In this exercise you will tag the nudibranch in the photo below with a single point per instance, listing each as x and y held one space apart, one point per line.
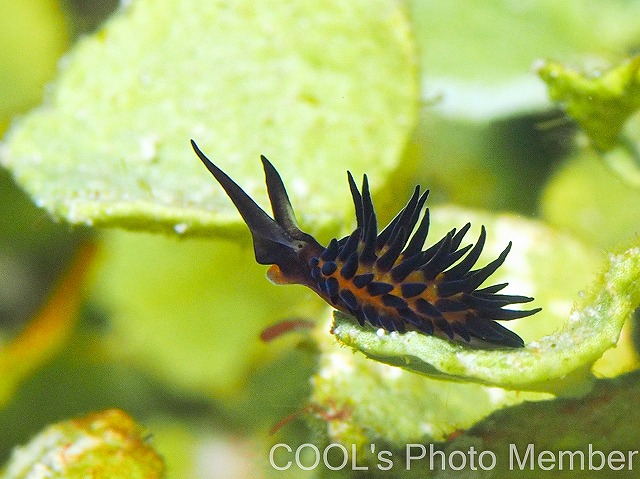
382 278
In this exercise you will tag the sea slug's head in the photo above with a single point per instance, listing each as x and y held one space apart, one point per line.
277 241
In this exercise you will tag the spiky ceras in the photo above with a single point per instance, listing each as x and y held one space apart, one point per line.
384 279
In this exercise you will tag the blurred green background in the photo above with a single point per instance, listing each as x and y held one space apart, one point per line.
161 327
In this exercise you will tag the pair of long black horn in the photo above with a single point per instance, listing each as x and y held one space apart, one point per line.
272 237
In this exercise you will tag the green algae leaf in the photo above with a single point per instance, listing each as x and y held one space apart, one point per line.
566 424
600 102
556 361
107 444
599 421
309 84
365 402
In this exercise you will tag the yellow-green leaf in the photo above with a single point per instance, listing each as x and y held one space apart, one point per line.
310 84
364 401
600 102
104 445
